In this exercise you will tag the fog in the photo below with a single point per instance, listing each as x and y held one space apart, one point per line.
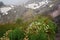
14 2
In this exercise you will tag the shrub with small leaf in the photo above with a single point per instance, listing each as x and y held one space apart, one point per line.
42 29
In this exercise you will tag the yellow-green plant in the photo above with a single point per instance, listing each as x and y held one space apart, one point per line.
17 34
6 27
41 29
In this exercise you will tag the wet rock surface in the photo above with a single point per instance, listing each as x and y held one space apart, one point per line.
58 34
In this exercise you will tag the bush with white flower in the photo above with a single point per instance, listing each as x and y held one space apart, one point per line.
41 29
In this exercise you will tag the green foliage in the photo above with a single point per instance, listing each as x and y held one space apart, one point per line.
38 28
17 34
42 29
9 26
6 27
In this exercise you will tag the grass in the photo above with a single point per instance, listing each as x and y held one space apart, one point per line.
38 28
16 34
6 27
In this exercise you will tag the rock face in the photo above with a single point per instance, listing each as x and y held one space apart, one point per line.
37 4
58 29
41 5
4 12
10 13
58 34
1 4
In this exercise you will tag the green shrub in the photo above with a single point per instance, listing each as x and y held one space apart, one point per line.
6 27
17 34
41 29
9 26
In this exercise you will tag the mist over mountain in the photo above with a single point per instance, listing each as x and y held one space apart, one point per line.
41 5
14 2
10 13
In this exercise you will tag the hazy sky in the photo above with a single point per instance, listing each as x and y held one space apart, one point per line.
14 1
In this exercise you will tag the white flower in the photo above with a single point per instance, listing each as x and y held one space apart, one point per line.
30 25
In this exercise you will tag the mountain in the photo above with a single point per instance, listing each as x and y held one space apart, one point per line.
33 7
1 4
41 5
9 13
4 13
